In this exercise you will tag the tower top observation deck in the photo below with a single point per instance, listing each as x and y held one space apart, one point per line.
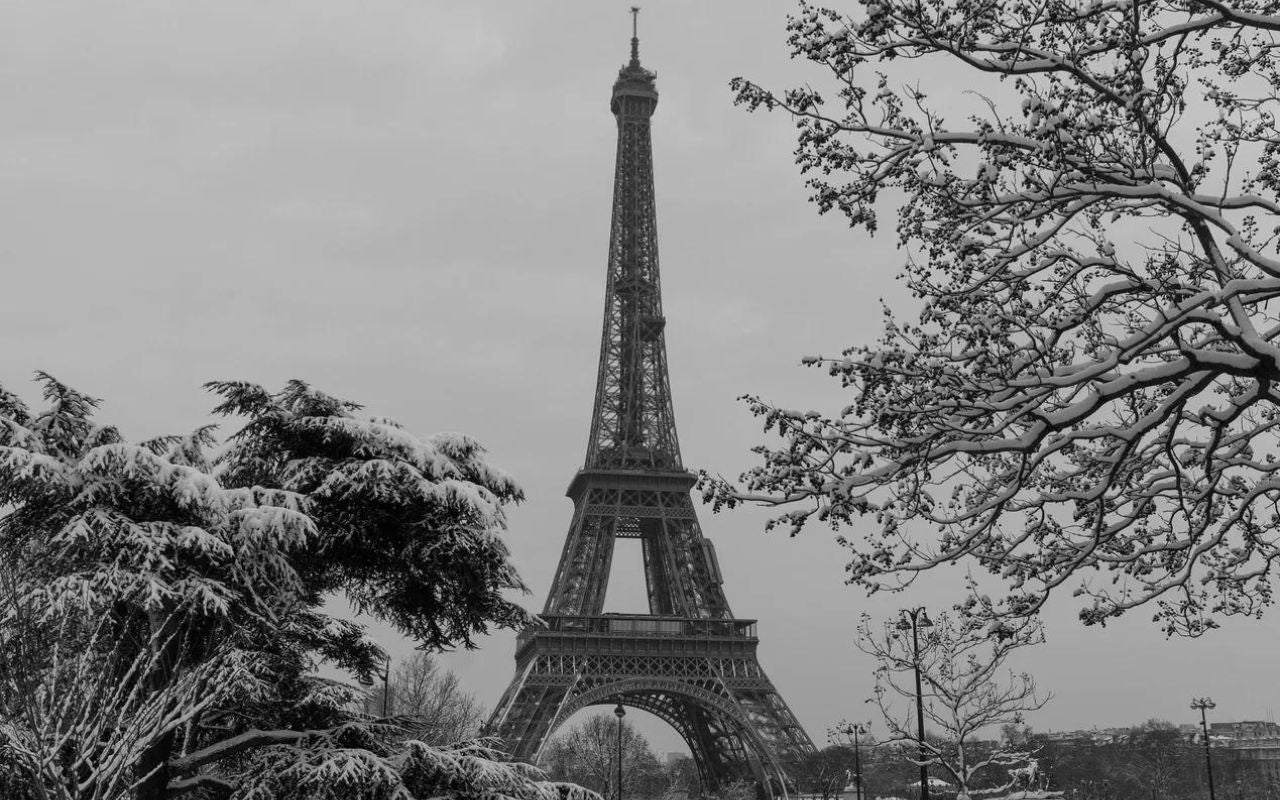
633 79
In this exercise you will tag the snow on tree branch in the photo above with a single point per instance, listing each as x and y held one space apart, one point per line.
383 499
1087 398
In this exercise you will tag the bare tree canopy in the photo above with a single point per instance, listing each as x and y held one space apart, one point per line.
964 689
430 699
1086 397
586 755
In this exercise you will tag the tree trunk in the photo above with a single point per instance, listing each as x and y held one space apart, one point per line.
154 763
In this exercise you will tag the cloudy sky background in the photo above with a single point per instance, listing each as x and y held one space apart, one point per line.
407 204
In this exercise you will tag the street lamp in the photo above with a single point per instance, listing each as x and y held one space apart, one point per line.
914 619
1203 704
854 730
619 712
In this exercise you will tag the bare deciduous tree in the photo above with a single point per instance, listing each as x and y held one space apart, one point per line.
1159 757
964 689
741 789
825 772
1090 228
587 755
430 699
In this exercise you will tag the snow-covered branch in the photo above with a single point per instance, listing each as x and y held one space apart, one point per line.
1090 380
235 745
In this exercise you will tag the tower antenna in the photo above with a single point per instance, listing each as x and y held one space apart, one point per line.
635 36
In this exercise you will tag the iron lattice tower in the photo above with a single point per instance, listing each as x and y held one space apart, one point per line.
688 661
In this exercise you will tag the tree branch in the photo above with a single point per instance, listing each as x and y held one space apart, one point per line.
238 744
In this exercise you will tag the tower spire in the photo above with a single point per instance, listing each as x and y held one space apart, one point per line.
635 36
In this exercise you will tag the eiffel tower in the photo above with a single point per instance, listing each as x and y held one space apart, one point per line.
689 662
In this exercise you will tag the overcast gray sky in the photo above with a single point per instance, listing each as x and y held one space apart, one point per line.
407 204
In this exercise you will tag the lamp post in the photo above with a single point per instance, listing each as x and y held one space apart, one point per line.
386 685
367 681
1203 704
914 619
619 712
854 730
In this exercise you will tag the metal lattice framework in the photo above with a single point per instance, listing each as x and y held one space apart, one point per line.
633 426
688 661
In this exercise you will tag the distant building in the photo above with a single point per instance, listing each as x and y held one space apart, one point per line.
1264 752
1248 729
1069 737
675 758
1253 741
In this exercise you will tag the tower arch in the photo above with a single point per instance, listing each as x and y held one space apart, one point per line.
710 724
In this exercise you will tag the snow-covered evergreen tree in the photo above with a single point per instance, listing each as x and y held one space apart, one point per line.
179 599
408 528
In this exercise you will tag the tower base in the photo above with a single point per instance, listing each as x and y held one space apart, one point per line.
700 676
